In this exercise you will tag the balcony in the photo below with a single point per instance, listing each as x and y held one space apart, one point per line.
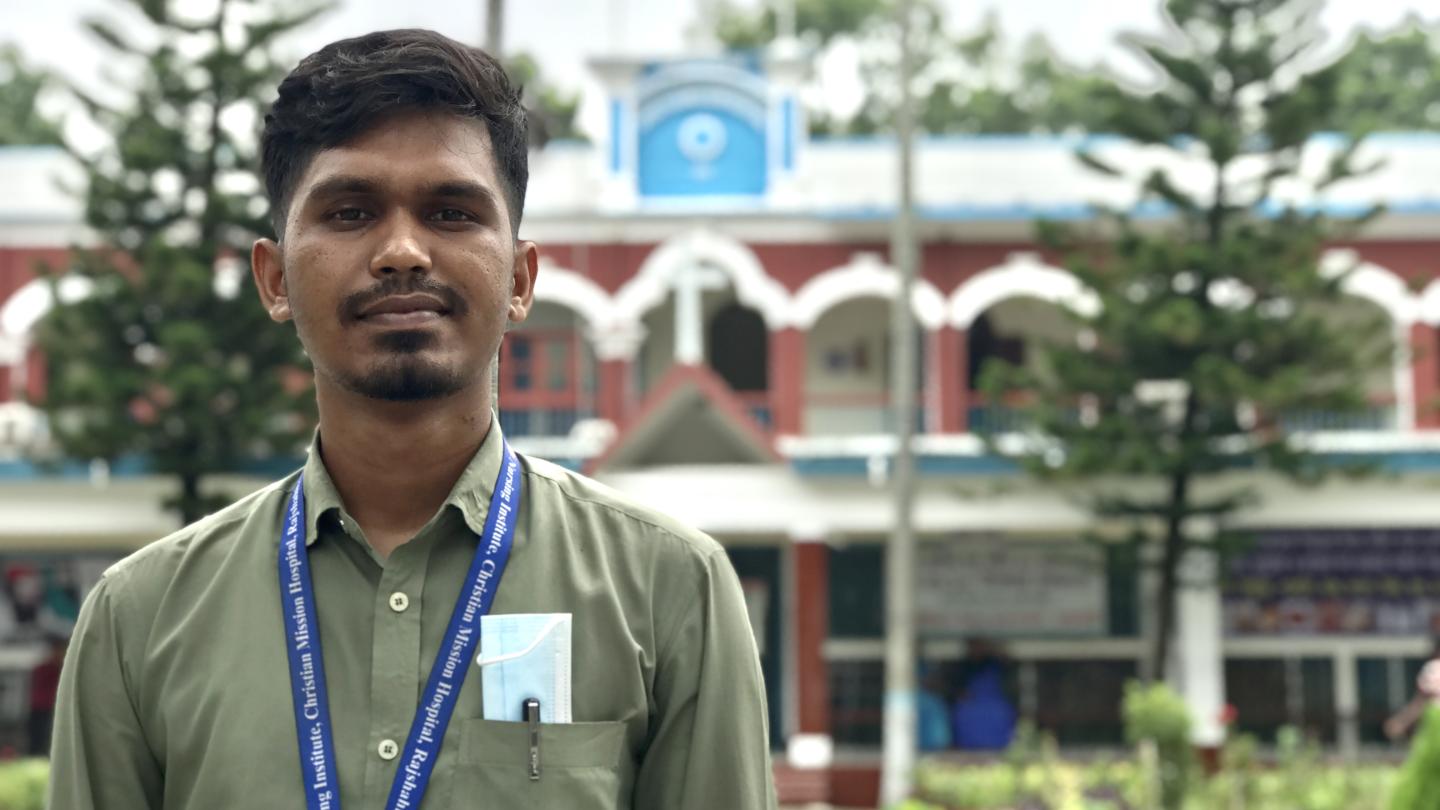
547 422
855 413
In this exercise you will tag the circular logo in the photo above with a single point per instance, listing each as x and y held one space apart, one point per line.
701 137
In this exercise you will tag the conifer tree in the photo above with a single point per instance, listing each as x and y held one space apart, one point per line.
1215 327
169 358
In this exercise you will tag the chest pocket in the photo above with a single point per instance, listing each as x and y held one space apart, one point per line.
582 765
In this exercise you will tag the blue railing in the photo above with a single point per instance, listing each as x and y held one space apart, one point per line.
541 421
1376 417
992 419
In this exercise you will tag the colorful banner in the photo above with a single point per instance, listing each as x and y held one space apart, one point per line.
1324 581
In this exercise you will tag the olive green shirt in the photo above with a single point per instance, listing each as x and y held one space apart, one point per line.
176 689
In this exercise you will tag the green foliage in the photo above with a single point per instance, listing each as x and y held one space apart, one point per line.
1214 329
1033 777
23 784
977 83
552 110
1121 785
818 21
160 360
20 89
1156 716
1389 82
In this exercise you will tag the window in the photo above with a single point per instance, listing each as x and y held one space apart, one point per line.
546 381
1079 701
1269 693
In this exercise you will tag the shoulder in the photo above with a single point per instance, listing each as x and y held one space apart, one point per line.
625 521
142 577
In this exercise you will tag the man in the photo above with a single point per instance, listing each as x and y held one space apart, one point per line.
307 646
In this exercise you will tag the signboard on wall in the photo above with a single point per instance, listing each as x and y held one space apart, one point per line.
1320 582
1006 586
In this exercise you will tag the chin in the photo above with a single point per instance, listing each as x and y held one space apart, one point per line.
407 379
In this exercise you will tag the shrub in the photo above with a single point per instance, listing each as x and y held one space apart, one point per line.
22 784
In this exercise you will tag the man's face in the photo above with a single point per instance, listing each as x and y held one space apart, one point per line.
398 265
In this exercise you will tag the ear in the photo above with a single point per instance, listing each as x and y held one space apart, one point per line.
269 272
522 283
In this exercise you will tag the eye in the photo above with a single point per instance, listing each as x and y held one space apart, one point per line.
453 215
348 215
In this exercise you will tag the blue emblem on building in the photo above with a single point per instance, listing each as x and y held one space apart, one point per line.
702 130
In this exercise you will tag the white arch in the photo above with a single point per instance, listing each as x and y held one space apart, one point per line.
1374 283
865 276
1022 274
23 309
569 289
753 287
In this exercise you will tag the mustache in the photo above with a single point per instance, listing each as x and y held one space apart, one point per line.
352 305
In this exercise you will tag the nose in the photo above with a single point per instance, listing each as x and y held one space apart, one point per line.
402 248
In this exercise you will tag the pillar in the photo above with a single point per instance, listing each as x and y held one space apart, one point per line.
1199 667
1425 372
1347 702
806 772
787 381
616 348
812 627
35 376
614 396
948 390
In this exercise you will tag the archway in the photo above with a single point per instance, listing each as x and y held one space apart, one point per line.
547 373
848 365
1012 332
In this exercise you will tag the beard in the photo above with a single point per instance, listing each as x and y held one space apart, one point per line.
405 375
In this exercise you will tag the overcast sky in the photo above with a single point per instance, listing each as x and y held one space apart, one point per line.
563 34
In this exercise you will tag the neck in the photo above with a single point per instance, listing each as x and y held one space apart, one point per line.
394 463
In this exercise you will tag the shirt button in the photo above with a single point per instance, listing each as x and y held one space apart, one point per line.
388 750
399 601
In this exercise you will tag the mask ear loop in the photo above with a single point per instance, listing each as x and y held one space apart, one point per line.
556 621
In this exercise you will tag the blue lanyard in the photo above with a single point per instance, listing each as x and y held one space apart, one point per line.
307 669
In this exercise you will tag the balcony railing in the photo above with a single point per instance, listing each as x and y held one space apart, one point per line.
851 413
542 421
1008 417
1379 416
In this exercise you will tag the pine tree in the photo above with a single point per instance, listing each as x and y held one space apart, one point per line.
169 358
21 121
1215 324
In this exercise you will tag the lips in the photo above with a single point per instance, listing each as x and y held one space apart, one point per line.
404 310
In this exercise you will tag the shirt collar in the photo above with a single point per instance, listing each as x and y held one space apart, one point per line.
470 495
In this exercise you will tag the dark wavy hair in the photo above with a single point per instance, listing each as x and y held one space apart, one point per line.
341 90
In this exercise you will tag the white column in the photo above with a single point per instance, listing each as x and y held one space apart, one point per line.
1200 672
1347 702
690 286
1404 377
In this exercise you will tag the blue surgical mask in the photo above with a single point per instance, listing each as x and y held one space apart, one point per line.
525 655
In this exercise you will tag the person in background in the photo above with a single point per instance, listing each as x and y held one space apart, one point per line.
984 716
932 712
44 683
1419 785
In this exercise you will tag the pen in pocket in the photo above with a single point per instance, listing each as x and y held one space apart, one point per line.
531 713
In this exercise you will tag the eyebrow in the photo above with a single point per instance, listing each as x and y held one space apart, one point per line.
356 184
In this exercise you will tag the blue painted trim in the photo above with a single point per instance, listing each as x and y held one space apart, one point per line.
787 134
1071 212
134 467
994 140
617 113
1411 461
30 147
1088 140
568 145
